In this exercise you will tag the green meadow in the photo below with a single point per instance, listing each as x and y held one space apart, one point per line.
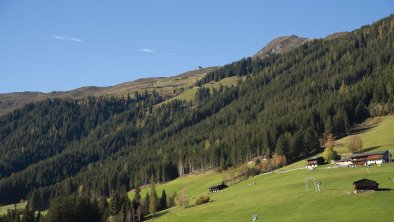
190 94
283 197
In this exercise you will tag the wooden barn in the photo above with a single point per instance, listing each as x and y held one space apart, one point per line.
217 188
365 184
314 162
362 159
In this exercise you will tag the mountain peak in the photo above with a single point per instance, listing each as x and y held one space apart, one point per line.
281 45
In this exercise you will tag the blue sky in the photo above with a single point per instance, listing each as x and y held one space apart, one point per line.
48 45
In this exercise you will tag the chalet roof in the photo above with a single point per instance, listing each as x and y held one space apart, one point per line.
369 154
218 187
314 158
365 181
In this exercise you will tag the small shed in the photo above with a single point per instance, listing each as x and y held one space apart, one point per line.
217 188
365 184
314 162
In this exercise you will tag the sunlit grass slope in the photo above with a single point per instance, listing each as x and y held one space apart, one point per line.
282 197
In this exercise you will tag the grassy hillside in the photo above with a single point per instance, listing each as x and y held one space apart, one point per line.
379 137
4 209
282 197
190 94
192 185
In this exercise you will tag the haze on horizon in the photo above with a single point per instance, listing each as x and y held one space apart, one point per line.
50 46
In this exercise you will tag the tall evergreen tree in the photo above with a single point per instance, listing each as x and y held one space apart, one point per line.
153 198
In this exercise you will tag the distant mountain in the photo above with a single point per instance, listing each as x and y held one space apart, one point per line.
281 45
166 86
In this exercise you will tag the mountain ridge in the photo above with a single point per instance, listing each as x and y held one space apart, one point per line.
169 86
281 45
175 84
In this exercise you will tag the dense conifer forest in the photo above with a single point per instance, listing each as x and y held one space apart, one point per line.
281 107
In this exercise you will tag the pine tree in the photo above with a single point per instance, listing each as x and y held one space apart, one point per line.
163 200
153 198
145 205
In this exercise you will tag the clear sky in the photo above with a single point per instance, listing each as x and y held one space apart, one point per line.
48 45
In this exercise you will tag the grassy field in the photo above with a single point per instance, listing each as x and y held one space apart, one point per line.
4 209
283 197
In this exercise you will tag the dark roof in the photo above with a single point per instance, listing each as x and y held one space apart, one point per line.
369 154
314 158
365 181
218 187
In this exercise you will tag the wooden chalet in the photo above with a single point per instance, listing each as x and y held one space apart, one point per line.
362 159
314 162
217 188
365 184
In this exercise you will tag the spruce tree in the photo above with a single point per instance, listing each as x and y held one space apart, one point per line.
163 200
153 198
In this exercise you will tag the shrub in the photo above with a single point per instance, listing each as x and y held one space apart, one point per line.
202 200
329 154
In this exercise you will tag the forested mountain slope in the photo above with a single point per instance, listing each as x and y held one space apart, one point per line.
284 105
166 86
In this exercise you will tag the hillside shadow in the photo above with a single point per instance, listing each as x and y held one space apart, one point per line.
360 130
368 149
158 214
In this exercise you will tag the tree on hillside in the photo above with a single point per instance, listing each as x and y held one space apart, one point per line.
354 144
171 200
115 204
136 204
328 125
281 145
75 209
145 204
181 199
279 160
330 141
329 154
153 198
163 200
137 197
28 214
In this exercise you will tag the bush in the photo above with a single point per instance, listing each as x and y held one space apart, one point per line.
202 200
329 154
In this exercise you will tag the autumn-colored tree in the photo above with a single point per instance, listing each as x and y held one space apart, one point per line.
279 161
354 144
181 199
330 141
